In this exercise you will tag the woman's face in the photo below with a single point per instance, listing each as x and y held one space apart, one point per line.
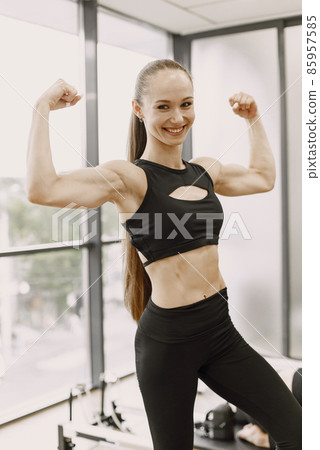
167 109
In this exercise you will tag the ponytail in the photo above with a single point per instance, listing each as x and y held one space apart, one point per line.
137 138
137 284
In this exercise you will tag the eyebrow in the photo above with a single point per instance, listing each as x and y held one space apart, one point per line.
168 101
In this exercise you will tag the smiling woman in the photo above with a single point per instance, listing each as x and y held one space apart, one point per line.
175 325
171 117
184 330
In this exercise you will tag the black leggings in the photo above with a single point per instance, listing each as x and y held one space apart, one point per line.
176 346
241 417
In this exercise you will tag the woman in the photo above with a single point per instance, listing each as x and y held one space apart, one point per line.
173 218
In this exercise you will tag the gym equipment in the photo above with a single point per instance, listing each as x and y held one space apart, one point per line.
115 440
109 431
114 420
219 423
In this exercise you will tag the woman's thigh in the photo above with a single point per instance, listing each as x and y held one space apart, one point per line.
244 378
168 384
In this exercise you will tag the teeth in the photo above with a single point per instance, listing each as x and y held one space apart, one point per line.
175 130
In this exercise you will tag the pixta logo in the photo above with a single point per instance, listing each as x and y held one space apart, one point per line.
71 224
154 224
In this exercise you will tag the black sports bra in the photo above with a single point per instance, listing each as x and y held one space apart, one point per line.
164 226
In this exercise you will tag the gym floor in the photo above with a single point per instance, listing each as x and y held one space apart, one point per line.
40 430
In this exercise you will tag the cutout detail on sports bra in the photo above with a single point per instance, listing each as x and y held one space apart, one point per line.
189 193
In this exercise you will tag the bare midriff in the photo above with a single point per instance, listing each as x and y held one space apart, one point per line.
185 278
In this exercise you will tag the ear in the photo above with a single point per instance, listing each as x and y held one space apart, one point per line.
137 109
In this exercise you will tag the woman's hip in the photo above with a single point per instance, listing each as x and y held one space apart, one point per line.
188 322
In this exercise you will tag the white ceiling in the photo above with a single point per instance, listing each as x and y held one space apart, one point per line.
193 16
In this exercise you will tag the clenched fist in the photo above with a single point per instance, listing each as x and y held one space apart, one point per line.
59 95
244 105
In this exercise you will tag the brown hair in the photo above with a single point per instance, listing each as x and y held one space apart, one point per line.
137 284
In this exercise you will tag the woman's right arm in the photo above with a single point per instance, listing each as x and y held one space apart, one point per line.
87 187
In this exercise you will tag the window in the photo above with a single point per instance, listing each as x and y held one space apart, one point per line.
38 290
252 266
20 87
43 332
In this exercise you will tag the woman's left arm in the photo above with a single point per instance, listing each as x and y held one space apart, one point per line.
234 179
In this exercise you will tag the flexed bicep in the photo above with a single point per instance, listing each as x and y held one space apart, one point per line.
85 188
234 180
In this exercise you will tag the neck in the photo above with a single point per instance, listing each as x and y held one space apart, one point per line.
169 156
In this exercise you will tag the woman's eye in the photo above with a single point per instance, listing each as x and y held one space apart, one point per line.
186 104
162 106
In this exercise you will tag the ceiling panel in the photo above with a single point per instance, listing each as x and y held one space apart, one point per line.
159 13
191 3
233 10
193 16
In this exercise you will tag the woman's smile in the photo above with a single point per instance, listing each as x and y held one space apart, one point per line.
175 131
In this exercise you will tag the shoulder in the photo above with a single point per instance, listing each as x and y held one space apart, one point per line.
131 177
211 165
127 171
119 166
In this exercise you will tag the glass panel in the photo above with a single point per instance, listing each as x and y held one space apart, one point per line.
20 86
43 334
133 36
119 327
60 14
251 265
22 224
117 72
110 222
294 120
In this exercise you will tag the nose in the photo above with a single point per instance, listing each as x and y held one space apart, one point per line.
177 117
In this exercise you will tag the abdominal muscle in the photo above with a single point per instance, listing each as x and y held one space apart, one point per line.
185 278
